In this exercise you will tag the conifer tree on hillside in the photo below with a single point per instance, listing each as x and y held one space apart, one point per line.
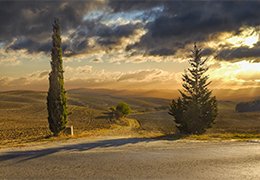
56 99
196 109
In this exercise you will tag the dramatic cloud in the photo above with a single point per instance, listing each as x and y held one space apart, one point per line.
94 36
16 57
93 25
182 23
130 43
86 75
151 75
240 53
27 24
33 18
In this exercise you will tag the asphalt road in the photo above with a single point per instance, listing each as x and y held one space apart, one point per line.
133 158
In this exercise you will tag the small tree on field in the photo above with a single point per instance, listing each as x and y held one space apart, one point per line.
120 111
56 99
196 109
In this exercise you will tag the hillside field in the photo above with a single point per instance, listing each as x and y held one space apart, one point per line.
24 114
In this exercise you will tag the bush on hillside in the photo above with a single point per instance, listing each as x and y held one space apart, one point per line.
120 111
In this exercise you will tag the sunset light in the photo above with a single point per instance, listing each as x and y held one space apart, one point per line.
130 89
248 37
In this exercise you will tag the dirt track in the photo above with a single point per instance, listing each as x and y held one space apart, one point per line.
132 158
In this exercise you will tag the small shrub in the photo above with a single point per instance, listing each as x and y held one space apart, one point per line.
122 110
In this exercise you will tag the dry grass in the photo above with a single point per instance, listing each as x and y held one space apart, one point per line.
112 132
23 118
224 136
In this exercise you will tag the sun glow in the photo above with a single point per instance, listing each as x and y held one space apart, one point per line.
248 67
236 75
248 37
248 71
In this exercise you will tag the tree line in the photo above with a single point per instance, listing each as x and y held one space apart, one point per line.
193 112
252 106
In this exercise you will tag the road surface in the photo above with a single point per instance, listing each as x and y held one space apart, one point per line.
132 158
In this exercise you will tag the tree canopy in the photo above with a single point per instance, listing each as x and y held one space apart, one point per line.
196 109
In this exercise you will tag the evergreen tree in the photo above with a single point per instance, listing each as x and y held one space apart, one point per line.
56 99
196 109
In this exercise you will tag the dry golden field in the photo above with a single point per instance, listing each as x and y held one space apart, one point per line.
24 116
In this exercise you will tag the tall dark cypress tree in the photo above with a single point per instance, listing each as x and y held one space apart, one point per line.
56 99
196 110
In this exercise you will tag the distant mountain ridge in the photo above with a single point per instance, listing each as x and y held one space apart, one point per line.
221 94
239 95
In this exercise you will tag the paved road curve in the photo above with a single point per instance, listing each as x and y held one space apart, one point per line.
134 158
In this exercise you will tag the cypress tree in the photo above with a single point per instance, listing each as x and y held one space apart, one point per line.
196 109
56 99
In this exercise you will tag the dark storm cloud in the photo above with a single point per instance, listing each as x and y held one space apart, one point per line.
35 17
177 24
110 35
207 51
162 52
185 22
119 31
106 36
32 20
185 17
32 30
204 17
33 46
107 41
30 45
130 5
240 53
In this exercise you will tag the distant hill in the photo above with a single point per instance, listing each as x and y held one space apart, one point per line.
23 114
103 98
243 94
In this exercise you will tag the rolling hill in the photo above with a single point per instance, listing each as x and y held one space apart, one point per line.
24 114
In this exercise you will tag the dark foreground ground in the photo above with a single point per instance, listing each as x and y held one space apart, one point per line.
133 158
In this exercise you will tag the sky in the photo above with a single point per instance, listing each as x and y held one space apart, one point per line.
138 44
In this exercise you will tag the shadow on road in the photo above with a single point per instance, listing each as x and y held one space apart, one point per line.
22 156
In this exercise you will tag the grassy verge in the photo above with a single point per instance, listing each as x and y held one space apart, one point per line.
122 132
224 136
113 132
